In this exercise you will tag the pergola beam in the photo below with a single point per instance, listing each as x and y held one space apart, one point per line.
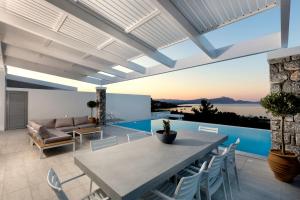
285 6
167 7
251 47
59 54
39 82
14 20
87 15
24 64
45 60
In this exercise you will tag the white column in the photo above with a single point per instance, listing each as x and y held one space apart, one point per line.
2 90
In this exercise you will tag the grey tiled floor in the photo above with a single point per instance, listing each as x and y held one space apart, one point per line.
23 174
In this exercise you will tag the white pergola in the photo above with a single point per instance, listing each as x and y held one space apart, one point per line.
86 39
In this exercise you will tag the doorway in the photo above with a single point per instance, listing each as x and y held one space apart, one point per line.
16 109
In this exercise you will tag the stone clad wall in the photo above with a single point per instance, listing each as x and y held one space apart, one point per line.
285 76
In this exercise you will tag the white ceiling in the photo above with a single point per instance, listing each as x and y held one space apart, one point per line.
83 37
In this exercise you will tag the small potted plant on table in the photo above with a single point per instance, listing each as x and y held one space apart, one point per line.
284 164
92 105
167 136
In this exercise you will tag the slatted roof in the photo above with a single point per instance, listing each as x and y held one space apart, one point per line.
92 40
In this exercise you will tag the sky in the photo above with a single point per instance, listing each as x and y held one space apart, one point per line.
244 78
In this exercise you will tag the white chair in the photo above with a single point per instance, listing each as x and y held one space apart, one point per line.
214 176
100 144
135 136
187 188
209 130
56 186
230 162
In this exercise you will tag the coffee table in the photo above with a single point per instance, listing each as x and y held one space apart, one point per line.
88 131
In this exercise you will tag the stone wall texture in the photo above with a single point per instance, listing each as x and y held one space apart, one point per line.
101 109
285 76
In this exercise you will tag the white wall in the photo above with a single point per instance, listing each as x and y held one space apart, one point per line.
129 107
56 103
2 96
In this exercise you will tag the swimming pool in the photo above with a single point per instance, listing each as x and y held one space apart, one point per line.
254 141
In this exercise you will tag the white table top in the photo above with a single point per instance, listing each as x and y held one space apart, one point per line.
126 171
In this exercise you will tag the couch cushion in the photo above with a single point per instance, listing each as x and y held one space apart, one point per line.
38 131
81 120
56 136
86 125
66 129
48 123
64 122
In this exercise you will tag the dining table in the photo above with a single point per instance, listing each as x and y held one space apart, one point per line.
126 171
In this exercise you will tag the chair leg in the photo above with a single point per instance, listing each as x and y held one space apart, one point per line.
237 178
74 149
224 189
41 153
91 185
227 180
207 194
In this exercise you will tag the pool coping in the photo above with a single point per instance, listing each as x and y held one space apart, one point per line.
192 122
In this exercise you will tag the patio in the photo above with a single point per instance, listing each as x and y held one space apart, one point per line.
23 173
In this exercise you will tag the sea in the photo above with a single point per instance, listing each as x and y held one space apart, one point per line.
240 109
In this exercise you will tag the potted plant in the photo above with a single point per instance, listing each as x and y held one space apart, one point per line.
283 163
166 135
92 105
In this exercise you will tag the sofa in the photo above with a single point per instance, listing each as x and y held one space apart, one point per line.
51 133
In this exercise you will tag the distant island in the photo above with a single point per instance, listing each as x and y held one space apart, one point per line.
220 100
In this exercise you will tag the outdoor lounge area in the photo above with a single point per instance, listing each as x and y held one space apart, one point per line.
80 120
23 173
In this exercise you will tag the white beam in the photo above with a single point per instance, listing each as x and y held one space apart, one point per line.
143 21
39 82
285 22
284 52
49 70
19 40
45 60
14 20
251 47
167 7
2 89
85 14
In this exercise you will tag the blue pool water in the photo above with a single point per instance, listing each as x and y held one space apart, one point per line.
254 141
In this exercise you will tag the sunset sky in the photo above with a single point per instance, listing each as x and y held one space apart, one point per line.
245 78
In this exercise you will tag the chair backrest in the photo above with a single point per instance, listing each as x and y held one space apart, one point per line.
55 184
100 144
208 129
135 136
231 151
215 167
188 187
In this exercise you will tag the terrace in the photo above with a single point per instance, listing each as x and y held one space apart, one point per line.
97 43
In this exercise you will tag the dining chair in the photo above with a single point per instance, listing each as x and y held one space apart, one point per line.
135 136
56 186
231 163
100 144
209 130
214 176
187 188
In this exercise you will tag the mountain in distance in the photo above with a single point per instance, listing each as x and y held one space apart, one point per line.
220 100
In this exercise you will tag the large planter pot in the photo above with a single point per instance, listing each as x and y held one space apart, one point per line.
285 167
166 138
